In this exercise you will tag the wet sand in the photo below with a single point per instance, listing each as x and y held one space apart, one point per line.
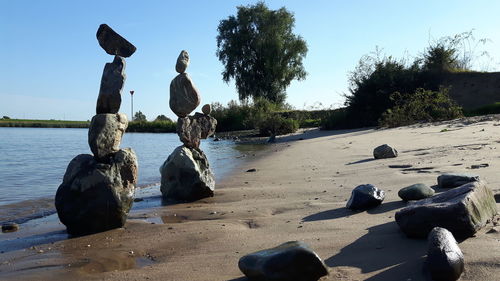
298 192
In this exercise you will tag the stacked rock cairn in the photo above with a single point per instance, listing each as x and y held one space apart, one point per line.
97 190
186 174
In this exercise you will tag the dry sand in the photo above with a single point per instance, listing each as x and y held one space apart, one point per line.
298 192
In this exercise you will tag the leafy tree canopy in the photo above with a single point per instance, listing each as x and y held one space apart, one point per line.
139 116
260 52
162 117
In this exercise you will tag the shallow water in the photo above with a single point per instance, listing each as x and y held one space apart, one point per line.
33 162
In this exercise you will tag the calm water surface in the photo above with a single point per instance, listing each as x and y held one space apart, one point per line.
33 160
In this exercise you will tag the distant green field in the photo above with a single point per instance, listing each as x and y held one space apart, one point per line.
43 123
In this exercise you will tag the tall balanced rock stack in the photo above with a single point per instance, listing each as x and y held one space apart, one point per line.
186 175
97 190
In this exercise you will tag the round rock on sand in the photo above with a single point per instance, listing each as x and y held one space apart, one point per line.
415 192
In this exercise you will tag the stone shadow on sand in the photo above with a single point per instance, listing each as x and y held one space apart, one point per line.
384 248
345 212
361 161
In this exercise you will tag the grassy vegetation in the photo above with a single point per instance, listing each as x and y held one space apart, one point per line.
152 127
7 122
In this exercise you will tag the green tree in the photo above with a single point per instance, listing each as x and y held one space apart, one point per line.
139 116
260 52
162 117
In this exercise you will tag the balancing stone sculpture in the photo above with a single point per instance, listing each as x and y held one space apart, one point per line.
97 190
186 175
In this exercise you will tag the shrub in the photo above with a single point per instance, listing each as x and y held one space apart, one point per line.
152 127
337 119
493 108
421 106
6 117
274 124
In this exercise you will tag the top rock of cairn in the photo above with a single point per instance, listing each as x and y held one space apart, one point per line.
113 43
182 62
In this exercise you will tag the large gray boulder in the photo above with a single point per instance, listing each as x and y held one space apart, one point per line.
364 197
184 96
291 261
454 180
110 93
113 43
462 210
415 192
384 151
182 62
445 260
105 134
192 129
94 196
186 175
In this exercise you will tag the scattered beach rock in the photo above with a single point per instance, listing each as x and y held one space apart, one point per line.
95 197
454 180
478 166
105 134
445 260
462 210
184 97
384 151
251 170
182 62
10 227
110 93
416 192
192 129
365 197
206 109
291 261
113 43
186 175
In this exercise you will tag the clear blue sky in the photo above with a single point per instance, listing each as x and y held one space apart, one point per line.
51 63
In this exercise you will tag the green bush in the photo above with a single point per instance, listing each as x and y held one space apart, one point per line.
152 127
421 106
493 108
338 119
274 124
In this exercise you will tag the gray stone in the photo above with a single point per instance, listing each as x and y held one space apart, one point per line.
10 227
184 97
384 151
206 109
182 62
105 134
454 180
415 192
365 197
462 210
95 197
193 128
445 260
110 93
186 175
291 261
113 43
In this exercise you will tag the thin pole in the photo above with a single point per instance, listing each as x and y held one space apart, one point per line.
132 110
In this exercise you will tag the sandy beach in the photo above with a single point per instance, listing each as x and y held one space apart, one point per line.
298 192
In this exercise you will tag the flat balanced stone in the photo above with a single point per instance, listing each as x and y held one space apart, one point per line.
186 175
184 96
113 43
416 192
291 261
95 197
445 260
110 93
364 197
105 134
192 129
462 210
454 180
182 62
384 151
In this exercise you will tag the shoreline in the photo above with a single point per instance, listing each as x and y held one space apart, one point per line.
298 192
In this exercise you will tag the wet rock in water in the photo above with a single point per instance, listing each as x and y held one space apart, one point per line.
416 192
291 261
113 43
110 93
182 62
192 129
95 197
384 151
186 175
206 109
184 97
10 227
462 210
105 134
454 180
445 260
365 197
